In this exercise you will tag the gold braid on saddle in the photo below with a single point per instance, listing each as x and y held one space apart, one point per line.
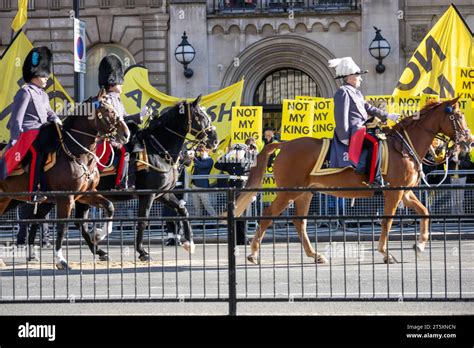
374 125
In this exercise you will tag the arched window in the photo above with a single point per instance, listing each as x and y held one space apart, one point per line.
282 84
94 56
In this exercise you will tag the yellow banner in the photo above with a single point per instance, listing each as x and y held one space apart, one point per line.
383 102
323 120
138 92
246 123
297 119
432 68
11 65
21 16
465 82
466 106
406 106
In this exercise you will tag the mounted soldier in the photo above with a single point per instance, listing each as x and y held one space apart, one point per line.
351 112
31 109
111 79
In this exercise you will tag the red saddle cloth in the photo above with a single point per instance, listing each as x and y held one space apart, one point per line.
355 146
105 158
15 154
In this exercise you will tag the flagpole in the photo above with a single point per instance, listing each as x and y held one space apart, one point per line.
78 77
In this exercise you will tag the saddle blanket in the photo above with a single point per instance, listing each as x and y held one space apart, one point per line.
334 158
48 164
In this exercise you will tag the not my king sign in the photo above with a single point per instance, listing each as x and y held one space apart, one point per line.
297 119
246 123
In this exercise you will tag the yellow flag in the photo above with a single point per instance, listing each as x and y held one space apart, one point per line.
11 64
432 68
21 16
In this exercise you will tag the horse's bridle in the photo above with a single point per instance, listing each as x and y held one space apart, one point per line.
199 135
110 135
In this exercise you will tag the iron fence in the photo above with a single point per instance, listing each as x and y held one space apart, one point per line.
220 271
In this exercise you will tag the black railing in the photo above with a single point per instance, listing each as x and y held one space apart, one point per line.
219 270
243 6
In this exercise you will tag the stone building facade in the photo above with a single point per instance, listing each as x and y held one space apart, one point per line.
280 47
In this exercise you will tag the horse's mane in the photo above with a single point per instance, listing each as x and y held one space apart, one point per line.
165 117
409 120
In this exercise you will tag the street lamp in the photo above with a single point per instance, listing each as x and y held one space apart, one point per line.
184 54
379 48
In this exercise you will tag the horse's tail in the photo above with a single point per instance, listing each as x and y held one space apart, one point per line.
255 177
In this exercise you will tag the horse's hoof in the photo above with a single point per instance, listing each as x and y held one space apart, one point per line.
390 259
320 259
190 247
144 257
419 248
253 259
104 257
33 259
62 265
97 236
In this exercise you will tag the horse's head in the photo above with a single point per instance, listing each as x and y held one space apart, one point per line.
107 121
454 125
201 125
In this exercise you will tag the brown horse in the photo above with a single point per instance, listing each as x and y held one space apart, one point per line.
296 159
76 165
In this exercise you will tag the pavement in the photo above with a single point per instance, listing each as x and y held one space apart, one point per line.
355 281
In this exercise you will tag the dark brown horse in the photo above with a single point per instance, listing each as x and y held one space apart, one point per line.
76 165
296 159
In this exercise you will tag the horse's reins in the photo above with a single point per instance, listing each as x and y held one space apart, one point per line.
412 151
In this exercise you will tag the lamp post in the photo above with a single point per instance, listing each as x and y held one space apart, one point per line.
185 54
379 48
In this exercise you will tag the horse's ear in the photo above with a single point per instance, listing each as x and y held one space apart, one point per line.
197 101
454 101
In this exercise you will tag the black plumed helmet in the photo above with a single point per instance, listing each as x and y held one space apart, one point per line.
37 63
110 71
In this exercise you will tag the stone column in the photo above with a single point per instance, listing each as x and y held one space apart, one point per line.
383 15
189 16
155 47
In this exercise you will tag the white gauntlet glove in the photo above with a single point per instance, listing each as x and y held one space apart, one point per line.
144 112
58 121
393 117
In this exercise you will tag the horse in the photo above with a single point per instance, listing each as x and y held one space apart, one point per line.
294 163
164 138
76 165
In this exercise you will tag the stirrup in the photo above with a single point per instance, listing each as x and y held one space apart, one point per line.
38 199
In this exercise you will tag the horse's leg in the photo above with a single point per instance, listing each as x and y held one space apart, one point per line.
64 205
302 204
82 212
144 206
410 200
392 198
280 203
171 201
100 201
4 203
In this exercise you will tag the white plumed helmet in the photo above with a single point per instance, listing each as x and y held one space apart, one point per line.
345 67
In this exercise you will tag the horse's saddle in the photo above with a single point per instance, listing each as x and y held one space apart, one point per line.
142 162
334 158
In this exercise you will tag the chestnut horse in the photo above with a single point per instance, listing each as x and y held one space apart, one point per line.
294 163
76 165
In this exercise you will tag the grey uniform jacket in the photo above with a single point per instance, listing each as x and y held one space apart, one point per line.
351 111
118 106
30 110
